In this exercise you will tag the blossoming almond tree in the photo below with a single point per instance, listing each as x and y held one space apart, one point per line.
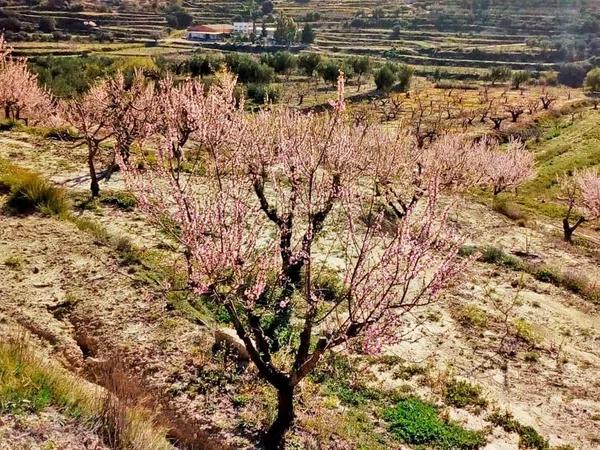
21 97
507 169
111 109
89 115
581 193
271 200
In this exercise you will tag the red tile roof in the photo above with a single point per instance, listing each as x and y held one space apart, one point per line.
214 28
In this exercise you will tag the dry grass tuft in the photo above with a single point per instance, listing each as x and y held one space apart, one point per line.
28 384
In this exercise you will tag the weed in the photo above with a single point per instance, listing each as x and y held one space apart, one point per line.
9 124
546 275
524 331
94 228
418 423
60 133
531 357
472 316
14 262
467 250
128 254
328 285
461 393
123 200
406 372
494 255
508 209
529 437
351 395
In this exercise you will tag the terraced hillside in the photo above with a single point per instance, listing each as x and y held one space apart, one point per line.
458 35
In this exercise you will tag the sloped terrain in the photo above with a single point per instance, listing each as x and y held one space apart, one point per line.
101 305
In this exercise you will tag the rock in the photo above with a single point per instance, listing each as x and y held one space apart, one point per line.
227 340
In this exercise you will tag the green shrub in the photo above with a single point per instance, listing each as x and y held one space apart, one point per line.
123 200
508 209
472 316
128 254
29 192
328 285
9 124
524 331
14 262
461 393
546 275
574 282
60 133
494 255
92 227
467 250
531 357
529 437
406 372
418 423
350 395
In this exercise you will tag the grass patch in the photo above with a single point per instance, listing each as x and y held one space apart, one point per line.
510 209
571 280
419 423
120 199
565 146
461 394
28 192
524 331
14 262
497 256
28 384
10 124
472 316
529 438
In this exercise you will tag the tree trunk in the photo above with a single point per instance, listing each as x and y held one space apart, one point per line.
94 185
568 231
274 438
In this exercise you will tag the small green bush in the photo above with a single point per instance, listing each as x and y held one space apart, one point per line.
461 394
494 255
128 254
529 437
418 423
467 250
546 275
508 209
123 200
14 262
9 124
328 285
472 316
60 134
531 357
524 331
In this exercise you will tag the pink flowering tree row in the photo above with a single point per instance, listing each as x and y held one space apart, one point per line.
21 97
264 204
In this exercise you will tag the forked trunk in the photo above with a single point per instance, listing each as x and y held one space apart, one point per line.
569 230
274 438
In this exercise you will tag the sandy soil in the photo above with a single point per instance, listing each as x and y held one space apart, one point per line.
48 430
